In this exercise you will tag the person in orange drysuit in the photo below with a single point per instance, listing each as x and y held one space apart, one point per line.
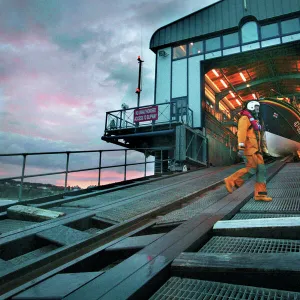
251 146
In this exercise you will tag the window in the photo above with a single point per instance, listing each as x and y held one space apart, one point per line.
213 44
269 31
290 26
196 48
230 40
179 51
249 32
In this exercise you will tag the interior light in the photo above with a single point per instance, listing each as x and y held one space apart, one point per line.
222 81
192 44
199 51
215 72
254 96
238 102
243 77
232 94
248 85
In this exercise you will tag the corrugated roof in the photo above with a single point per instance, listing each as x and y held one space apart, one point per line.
220 16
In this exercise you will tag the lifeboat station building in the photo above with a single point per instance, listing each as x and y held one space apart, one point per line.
207 64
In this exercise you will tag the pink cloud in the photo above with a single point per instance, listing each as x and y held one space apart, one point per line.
91 178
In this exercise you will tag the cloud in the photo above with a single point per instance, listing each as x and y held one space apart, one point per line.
63 64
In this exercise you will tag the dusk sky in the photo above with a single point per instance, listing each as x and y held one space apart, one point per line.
64 63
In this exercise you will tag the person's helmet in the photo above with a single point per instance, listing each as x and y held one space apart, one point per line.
251 105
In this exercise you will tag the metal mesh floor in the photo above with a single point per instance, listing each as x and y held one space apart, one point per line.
280 205
183 179
245 216
283 185
185 288
224 244
288 176
150 201
284 192
195 208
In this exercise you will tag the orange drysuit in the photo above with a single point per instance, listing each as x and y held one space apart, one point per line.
253 144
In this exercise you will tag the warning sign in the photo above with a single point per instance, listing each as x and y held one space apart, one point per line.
146 114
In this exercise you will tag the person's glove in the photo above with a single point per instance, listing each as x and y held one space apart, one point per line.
241 153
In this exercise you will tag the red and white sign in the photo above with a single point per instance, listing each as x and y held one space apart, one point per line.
146 114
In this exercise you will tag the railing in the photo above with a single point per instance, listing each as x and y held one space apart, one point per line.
147 151
168 113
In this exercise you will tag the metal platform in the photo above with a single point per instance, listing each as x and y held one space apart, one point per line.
225 244
247 216
195 208
168 195
185 288
137 265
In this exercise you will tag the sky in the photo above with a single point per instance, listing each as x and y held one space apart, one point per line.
65 63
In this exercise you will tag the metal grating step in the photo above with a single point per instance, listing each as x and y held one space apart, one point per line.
67 210
280 205
285 178
189 211
225 244
283 185
185 288
284 193
33 254
245 216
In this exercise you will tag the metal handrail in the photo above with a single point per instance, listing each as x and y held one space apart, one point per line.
67 171
122 118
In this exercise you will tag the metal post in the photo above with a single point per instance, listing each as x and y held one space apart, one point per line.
99 176
67 170
125 165
138 90
161 161
22 179
145 172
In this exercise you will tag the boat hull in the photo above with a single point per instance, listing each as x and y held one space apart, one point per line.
282 126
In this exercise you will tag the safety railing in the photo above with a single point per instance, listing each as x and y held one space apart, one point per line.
165 113
146 151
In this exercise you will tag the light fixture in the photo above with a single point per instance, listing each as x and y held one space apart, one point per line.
162 53
222 81
232 94
248 85
254 96
199 51
192 44
243 77
238 102
215 72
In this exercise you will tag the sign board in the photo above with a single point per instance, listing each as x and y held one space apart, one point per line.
146 114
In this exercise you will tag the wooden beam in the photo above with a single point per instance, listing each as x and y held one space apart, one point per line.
29 213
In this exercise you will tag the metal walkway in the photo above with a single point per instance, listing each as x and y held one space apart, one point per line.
218 246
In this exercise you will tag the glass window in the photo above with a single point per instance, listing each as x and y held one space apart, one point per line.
230 40
249 32
269 31
195 48
213 44
179 51
231 51
290 26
